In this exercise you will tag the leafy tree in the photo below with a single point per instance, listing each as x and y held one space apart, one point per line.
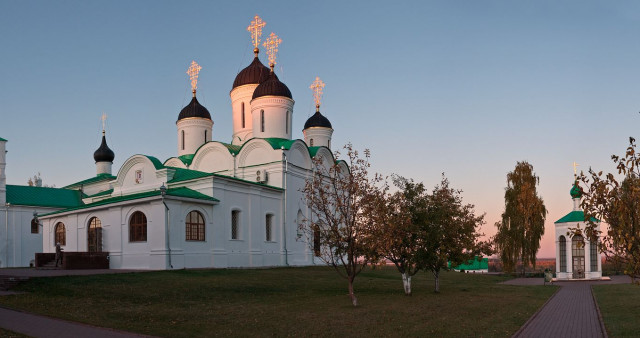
338 196
522 225
449 231
618 205
396 235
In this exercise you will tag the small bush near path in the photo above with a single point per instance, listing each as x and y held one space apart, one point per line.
620 306
284 302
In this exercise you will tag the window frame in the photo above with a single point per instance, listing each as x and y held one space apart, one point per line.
235 225
563 254
133 228
268 227
262 120
195 231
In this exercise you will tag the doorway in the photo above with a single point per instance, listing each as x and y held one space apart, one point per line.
577 250
94 235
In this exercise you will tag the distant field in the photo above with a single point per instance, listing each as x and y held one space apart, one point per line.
284 302
620 308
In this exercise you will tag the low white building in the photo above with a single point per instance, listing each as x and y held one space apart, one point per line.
216 204
576 256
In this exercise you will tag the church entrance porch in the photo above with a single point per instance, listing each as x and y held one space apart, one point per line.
577 249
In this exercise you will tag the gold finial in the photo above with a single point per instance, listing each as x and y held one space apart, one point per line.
255 28
271 45
316 87
193 72
104 120
575 169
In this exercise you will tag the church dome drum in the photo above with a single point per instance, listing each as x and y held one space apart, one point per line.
194 109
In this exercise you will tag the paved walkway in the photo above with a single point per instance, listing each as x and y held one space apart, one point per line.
42 326
570 312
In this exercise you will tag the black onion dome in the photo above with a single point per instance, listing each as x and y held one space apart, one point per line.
272 87
317 120
104 154
255 73
194 109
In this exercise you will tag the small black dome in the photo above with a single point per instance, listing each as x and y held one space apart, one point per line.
272 87
255 73
317 120
194 109
104 154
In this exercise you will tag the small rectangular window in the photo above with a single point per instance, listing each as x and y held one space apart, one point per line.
593 252
262 121
268 227
235 223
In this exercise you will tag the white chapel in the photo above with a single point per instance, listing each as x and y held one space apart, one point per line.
576 256
214 204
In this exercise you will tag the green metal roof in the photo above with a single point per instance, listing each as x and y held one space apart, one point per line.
102 193
177 192
234 149
98 178
1 139
278 143
43 197
474 264
186 159
182 174
156 162
575 216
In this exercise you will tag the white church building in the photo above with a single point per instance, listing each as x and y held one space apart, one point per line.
215 204
576 256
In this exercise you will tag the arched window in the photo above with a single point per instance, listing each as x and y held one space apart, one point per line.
577 248
34 226
311 143
94 235
593 253
316 241
286 126
194 226
60 234
235 224
268 227
205 136
242 109
138 227
563 254
182 138
262 121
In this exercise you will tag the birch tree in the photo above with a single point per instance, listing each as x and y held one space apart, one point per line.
522 225
397 234
338 197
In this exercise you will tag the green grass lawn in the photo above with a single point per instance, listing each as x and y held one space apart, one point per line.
620 308
284 302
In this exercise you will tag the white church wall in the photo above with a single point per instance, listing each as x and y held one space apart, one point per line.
241 103
137 174
17 244
271 113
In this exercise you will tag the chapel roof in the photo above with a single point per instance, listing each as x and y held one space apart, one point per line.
272 87
317 120
254 73
103 153
43 196
575 216
194 109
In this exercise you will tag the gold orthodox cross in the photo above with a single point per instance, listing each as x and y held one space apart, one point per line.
193 72
575 169
316 87
103 118
255 28
271 45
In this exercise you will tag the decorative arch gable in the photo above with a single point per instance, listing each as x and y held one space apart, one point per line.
175 162
299 155
212 157
257 151
138 173
327 158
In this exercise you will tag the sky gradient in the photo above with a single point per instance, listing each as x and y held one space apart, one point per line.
467 88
